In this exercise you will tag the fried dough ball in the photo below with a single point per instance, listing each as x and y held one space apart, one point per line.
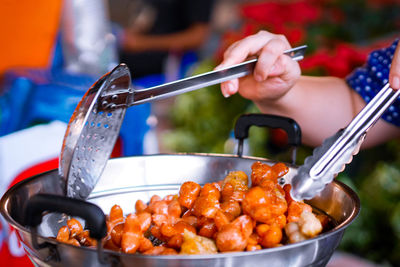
85 239
234 186
188 193
140 206
195 244
233 236
261 171
207 204
295 210
115 217
271 237
207 227
262 205
75 227
160 250
293 232
132 234
309 224
64 236
116 234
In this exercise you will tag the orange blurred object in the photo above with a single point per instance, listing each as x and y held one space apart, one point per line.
28 32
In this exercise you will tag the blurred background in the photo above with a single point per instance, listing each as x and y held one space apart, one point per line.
52 51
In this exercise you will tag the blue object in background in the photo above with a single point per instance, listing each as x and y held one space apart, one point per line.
31 96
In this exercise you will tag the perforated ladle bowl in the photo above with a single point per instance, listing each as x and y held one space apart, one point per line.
91 134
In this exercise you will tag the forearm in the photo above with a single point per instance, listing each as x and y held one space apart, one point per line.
322 106
191 38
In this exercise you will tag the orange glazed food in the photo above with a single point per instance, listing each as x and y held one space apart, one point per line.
224 216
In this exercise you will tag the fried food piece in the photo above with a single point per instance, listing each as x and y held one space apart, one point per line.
208 227
174 209
231 207
266 199
115 217
160 250
145 245
158 207
188 193
195 244
75 227
295 210
178 228
309 224
233 236
132 234
262 205
116 234
144 220
234 186
190 219
293 232
261 171
271 237
85 239
64 236
140 206
207 204
280 169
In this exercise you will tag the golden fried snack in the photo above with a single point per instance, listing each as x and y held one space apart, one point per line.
132 234
309 224
271 237
234 186
188 193
74 227
207 204
64 234
233 236
85 240
194 244
160 250
262 205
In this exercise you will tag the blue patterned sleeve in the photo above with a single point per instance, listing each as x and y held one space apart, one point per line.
370 78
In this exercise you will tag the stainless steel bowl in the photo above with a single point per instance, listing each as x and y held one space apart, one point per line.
127 179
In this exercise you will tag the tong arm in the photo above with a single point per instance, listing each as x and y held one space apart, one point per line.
356 130
131 96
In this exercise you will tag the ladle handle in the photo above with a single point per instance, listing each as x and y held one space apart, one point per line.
290 126
92 214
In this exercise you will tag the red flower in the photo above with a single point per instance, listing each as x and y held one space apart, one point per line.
278 13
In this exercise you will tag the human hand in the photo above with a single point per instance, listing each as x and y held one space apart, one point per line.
274 74
394 74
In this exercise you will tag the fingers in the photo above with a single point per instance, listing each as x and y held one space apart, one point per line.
394 75
249 46
269 47
268 59
230 87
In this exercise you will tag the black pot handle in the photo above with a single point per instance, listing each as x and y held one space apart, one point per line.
289 125
94 217
92 214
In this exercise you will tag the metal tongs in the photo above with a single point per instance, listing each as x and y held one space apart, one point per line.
133 96
330 158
